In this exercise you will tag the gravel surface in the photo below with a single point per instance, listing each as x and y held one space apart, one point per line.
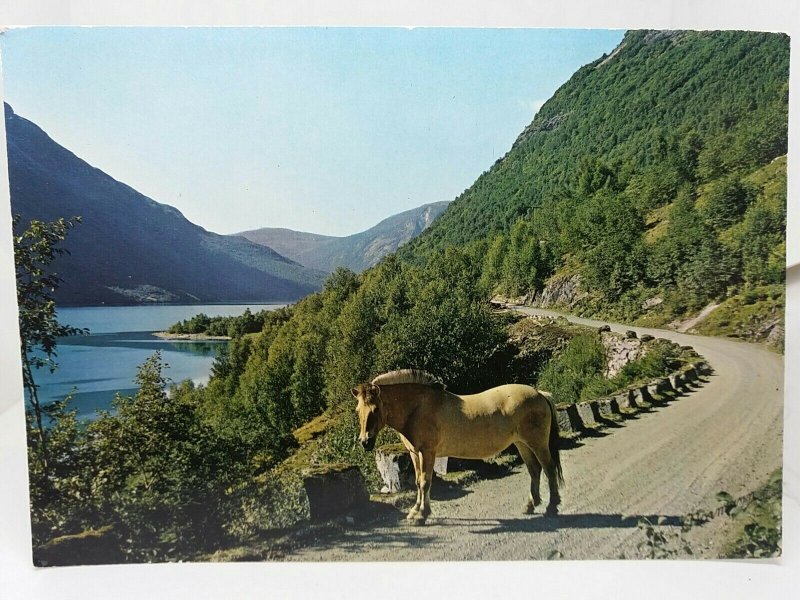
724 435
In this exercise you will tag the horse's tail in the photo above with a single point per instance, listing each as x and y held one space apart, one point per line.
555 441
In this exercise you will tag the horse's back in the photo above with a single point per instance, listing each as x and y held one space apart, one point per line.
481 425
505 399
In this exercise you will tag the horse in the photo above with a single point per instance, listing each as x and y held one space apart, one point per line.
433 422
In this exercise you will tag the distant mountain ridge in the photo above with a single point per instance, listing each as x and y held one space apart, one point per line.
356 252
129 248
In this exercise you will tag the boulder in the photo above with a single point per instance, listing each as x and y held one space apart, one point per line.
90 547
677 382
397 472
568 418
659 387
642 396
607 408
585 413
333 490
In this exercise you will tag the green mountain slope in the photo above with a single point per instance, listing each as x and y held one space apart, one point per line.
661 122
356 252
655 89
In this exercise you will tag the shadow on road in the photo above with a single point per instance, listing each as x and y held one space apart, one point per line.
541 523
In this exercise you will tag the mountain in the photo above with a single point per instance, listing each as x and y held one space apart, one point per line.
356 252
129 248
715 99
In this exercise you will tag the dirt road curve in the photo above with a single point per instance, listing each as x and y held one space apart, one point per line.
727 435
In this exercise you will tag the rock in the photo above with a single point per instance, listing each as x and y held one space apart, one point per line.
651 302
395 468
659 387
677 382
647 338
630 334
90 547
568 418
603 328
619 352
334 489
626 399
642 396
585 413
606 408
559 291
703 368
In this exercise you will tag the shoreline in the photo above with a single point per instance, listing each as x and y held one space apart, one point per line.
198 337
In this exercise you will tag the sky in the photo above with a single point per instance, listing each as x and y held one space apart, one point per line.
327 130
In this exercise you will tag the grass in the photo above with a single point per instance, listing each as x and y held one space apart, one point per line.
756 531
657 223
749 316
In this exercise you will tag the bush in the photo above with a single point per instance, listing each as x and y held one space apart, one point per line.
577 372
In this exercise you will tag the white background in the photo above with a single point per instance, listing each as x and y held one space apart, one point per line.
606 579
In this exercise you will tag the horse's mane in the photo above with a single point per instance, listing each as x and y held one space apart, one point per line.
408 376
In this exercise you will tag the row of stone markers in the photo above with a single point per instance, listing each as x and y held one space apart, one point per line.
579 418
575 420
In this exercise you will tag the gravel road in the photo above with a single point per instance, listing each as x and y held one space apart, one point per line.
725 435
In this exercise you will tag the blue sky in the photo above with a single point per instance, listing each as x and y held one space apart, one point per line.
324 130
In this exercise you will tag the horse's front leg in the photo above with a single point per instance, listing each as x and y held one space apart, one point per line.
414 512
427 458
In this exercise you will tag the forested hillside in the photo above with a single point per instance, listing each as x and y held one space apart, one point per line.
660 187
639 175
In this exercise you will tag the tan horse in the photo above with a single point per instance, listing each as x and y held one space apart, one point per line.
434 422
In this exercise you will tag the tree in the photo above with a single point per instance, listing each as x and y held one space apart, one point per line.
34 251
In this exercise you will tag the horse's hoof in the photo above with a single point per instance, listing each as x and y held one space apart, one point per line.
552 511
413 514
418 521
529 509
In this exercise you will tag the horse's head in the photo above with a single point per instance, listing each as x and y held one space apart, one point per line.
370 413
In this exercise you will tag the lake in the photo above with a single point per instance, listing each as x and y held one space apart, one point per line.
97 366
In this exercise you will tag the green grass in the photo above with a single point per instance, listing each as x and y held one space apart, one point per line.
747 315
756 532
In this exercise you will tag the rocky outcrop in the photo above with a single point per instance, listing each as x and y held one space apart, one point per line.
620 351
562 291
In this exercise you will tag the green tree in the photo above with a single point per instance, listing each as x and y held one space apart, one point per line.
726 201
163 471
35 249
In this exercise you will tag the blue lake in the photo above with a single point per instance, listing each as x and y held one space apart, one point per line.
95 367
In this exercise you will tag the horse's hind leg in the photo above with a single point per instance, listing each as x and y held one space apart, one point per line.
542 452
535 471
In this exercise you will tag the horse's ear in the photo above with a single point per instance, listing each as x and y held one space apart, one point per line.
377 389
354 391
